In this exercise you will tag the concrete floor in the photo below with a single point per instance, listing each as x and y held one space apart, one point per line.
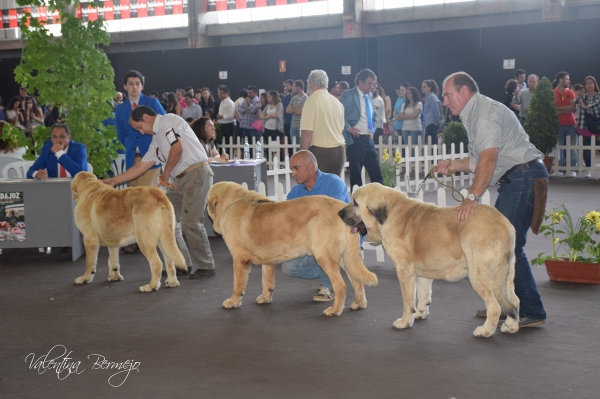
188 346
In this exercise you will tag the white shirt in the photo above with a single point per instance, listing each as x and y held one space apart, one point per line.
168 129
412 125
226 109
380 107
363 123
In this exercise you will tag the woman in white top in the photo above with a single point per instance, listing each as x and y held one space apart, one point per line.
411 115
379 104
272 115
14 113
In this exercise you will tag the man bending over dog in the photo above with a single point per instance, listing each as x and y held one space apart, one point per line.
175 145
311 181
500 153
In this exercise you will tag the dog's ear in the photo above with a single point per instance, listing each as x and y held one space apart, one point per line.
380 213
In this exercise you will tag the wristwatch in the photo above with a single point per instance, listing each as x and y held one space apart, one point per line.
472 197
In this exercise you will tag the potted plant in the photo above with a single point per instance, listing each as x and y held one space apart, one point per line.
389 167
542 120
455 133
575 253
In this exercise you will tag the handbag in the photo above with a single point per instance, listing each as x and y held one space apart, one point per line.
386 129
592 123
258 125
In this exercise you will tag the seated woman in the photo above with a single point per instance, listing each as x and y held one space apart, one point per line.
205 131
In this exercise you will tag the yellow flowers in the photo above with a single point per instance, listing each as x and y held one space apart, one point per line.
556 240
385 156
556 217
593 217
598 226
398 159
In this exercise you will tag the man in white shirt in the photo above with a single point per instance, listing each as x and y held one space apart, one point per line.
226 113
185 163
191 110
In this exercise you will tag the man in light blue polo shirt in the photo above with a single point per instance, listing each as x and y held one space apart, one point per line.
311 181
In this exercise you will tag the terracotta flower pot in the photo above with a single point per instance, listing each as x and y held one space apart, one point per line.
548 163
575 272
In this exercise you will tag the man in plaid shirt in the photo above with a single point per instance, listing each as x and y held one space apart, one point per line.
248 111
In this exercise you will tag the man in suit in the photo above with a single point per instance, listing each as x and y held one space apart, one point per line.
136 144
360 119
60 156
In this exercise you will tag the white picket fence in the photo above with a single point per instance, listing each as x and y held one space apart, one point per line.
442 194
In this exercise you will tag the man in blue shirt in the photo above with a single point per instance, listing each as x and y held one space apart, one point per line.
311 181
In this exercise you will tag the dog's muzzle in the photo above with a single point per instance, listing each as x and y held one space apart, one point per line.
361 228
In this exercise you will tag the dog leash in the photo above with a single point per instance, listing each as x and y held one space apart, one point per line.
451 187
168 185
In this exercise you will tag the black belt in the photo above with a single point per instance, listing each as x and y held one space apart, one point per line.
504 178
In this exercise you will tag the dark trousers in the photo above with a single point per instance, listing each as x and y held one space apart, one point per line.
587 154
431 131
362 153
377 135
329 160
227 133
286 131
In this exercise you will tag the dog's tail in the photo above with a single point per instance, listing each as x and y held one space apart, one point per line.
168 244
502 282
354 265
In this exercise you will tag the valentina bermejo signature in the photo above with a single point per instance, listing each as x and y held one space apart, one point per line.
59 360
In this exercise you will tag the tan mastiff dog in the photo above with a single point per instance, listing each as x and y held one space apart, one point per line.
115 218
426 242
260 231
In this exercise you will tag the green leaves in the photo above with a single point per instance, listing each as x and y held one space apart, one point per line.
542 119
73 72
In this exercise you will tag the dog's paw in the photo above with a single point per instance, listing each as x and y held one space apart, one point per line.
482 331
172 282
329 312
510 326
262 299
115 277
356 304
402 324
229 304
422 314
148 288
84 279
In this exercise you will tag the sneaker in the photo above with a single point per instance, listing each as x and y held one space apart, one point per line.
525 322
561 174
587 174
325 295
483 313
572 174
202 273
179 272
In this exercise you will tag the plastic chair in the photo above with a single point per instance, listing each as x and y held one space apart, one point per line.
20 167
90 168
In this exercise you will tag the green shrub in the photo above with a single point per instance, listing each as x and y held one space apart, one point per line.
542 119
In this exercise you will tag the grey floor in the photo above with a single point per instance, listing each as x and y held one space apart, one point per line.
188 346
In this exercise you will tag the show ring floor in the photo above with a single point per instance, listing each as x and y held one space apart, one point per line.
189 346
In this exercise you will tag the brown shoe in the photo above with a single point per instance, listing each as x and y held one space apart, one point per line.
130 249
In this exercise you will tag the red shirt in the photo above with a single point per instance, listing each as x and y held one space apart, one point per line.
564 100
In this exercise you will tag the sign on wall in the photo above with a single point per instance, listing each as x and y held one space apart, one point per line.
12 216
346 70
509 64
223 75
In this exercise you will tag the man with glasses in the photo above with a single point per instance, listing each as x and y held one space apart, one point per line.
187 176
60 156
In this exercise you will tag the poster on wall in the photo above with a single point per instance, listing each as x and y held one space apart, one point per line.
12 216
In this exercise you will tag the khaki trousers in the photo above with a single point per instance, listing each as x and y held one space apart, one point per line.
150 178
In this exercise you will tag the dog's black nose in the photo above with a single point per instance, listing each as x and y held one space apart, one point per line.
341 213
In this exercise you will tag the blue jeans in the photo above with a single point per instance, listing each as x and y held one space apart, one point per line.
413 134
306 267
563 133
295 132
515 201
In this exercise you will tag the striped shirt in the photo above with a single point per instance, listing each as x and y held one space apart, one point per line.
594 103
168 129
490 124
249 118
